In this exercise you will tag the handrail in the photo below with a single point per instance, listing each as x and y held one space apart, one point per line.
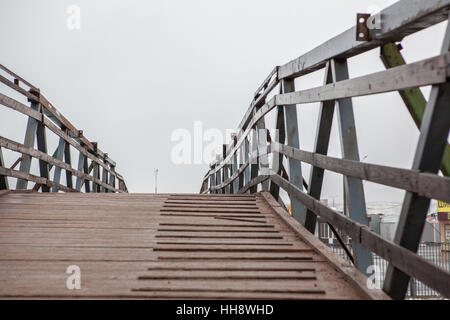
424 184
18 147
403 18
432 71
227 175
42 114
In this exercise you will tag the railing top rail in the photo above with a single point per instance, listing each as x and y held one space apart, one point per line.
401 19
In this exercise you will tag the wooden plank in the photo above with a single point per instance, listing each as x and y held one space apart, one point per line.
125 248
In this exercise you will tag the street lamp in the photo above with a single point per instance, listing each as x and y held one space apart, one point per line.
156 181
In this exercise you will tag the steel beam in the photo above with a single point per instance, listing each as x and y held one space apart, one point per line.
42 146
263 159
79 181
112 178
59 155
277 162
349 145
3 179
292 138
96 174
225 170
104 180
261 132
240 178
322 139
87 184
235 168
254 166
68 160
30 138
246 147
211 181
428 158
219 179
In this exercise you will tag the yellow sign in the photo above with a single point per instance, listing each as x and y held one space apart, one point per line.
443 206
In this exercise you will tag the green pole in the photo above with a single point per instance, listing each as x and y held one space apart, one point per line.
413 98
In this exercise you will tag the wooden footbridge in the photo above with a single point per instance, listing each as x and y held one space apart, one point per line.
235 239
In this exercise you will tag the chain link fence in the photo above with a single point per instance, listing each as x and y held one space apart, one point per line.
436 252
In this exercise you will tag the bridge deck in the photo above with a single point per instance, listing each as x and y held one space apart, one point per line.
165 246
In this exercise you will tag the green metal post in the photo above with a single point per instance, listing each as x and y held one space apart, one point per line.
413 98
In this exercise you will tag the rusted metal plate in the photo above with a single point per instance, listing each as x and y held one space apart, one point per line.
362 30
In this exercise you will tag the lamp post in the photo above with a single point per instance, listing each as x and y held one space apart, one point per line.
156 181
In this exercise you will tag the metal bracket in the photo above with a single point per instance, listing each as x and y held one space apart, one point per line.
362 30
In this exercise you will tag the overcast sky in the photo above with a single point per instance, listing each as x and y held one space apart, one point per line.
138 70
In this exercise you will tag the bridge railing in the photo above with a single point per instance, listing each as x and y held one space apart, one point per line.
255 160
95 171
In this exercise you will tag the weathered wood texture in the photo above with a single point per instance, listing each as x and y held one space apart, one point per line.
161 246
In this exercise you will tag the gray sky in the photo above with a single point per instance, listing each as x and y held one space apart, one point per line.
138 70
